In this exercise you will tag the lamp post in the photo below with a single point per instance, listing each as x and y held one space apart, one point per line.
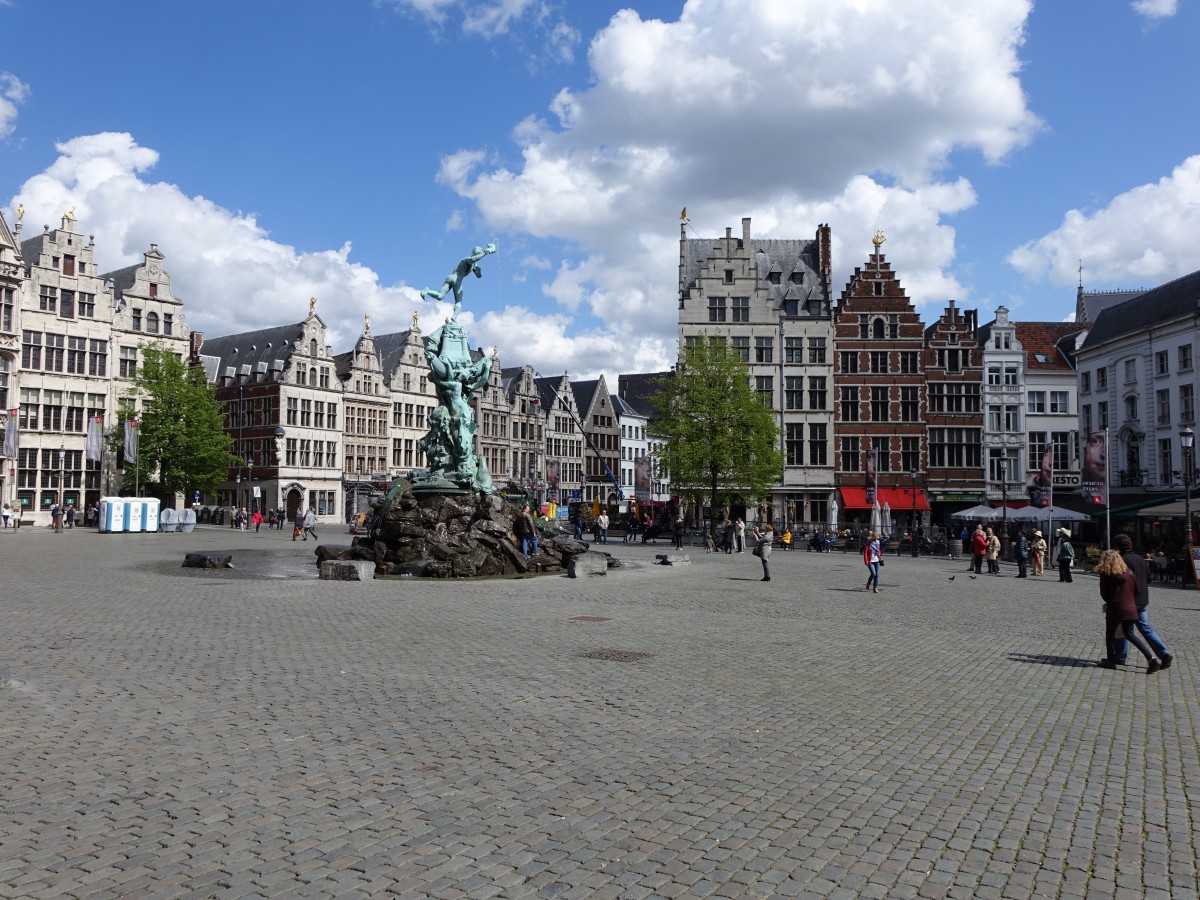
237 497
916 549
1002 465
1187 440
58 521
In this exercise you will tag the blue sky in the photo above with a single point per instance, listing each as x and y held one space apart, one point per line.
354 151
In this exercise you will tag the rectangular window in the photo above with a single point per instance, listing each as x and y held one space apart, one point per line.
48 299
137 320
128 362
882 446
319 414
1131 407
864 327
7 304
1165 469
1102 379
741 309
794 444
954 448
764 349
993 375
716 309
31 349
879 404
1060 402
764 386
817 453
68 264
793 351
849 403
66 308
910 362
850 362
1185 357
1163 402
910 453
1102 415
816 396
816 350
1037 402
1162 363
910 404
879 362
1012 419
55 354
793 392
1130 371
77 355
97 357
1187 403
1085 382
1010 375
168 323
1085 419
850 458
894 326
306 414
741 346
293 412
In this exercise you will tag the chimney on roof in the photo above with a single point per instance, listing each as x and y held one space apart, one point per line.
746 231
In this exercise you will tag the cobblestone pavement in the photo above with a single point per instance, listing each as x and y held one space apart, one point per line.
178 733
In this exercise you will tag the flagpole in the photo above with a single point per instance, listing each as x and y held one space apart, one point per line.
1050 509
1107 505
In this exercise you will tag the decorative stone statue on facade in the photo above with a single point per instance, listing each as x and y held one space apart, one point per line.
453 466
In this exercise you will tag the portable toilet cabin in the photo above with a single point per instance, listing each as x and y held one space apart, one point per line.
128 514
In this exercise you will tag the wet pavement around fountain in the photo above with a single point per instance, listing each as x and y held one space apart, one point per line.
661 731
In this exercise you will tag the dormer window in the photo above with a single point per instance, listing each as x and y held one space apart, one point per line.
773 277
154 290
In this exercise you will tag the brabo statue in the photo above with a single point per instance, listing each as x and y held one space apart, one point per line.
453 466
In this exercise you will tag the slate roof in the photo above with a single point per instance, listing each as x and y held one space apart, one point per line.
390 349
252 352
1089 304
1174 300
1042 339
770 255
622 408
638 390
547 389
585 393
122 279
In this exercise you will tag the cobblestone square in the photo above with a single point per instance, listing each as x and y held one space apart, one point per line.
169 732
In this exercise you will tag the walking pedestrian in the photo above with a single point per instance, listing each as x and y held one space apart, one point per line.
763 537
979 546
739 531
1137 565
1118 589
1022 554
872 557
993 552
6 513
602 525
256 520
298 525
1065 555
310 524
1039 553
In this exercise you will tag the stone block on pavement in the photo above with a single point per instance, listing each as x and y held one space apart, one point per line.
347 570
590 563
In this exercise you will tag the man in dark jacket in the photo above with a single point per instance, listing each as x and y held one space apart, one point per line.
1022 555
1137 565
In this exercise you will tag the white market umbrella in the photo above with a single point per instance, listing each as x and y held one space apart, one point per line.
977 514
887 516
876 518
833 514
1043 514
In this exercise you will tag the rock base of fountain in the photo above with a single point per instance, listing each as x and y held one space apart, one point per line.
431 535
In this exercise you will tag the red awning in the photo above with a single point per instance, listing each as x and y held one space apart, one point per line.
898 498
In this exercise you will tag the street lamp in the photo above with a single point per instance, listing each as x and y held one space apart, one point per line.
237 496
1002 465
1187 440
58 522
916 550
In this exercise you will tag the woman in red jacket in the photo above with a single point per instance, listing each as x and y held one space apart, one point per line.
1118 588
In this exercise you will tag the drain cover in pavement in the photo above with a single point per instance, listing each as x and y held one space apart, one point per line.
589 619
615 655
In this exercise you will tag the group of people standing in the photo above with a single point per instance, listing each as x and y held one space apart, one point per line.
1030 551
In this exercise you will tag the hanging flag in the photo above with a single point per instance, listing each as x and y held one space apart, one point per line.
95 438
1093 480
869 475
1043 481
131 440
10 434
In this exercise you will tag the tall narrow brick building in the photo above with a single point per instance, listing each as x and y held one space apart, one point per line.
879 376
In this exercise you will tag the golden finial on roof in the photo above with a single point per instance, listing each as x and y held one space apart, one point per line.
20 212
367 324
877 239
312 305
69 215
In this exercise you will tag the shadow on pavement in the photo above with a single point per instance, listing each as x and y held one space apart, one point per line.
1047 659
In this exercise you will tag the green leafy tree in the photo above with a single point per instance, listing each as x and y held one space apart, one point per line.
182 440
720 439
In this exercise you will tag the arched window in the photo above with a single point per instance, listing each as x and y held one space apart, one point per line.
877 330
152 323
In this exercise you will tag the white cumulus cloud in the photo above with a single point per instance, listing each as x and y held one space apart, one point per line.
1156 9
1142 237
13 92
